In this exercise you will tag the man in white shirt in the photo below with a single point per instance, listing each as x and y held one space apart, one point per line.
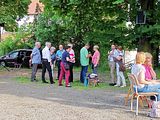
46 63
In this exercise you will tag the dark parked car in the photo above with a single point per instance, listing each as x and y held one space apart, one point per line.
21 56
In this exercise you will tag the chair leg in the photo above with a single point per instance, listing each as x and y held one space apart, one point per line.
137 105
127 97
141 101
132 102
155 97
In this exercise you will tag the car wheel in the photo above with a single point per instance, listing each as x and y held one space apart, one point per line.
2 63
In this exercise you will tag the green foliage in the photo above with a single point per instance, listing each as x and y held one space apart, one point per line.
79 21
10 10
15 41
101 22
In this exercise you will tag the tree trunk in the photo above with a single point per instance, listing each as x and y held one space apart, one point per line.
144 45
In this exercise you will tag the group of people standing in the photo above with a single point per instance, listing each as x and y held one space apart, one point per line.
48 58
65 59
115 58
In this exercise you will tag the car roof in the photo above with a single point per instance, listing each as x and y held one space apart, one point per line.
30 50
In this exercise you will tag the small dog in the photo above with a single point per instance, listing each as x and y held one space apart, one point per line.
93 78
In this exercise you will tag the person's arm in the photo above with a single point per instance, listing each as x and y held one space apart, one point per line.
119 57
31 56
88 55
57 55
143 81
48 54
34 52
111 53
141 78
68 59
153 74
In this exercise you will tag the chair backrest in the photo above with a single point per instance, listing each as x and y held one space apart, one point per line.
133 82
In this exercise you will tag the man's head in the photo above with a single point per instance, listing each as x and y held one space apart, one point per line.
37 44
120 48
68 48
113 47
52 49
87 46
60 47
48 44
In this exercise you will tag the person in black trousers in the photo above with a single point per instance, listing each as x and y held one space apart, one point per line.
46 63
72 57
58 59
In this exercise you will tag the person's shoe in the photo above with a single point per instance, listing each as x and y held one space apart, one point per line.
35 80
60 84
53 82
117 85
32 80
123 86
44 82
112 84
68 86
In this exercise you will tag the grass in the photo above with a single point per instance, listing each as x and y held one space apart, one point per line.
76 85
79 86
103 86
22 79
26 80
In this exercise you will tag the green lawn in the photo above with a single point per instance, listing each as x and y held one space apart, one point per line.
76 85
79 86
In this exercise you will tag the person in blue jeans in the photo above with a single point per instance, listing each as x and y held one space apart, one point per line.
84 60
138 71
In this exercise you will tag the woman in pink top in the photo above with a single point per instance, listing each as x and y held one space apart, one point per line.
149 72
95 59
72 57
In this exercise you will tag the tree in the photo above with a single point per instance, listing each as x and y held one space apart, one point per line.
11 10
100 21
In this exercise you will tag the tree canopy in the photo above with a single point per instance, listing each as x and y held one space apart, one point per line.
101 22
11 10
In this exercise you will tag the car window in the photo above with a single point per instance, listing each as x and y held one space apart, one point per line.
13 55
22 54
28 53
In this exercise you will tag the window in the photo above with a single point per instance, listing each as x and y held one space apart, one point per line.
13 55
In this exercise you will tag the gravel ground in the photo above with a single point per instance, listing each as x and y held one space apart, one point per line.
48 102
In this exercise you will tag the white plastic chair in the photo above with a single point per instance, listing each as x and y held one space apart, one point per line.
134 83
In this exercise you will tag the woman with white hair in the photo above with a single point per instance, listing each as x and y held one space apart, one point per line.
95 59
72 57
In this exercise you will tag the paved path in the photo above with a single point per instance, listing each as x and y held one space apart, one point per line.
49 102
